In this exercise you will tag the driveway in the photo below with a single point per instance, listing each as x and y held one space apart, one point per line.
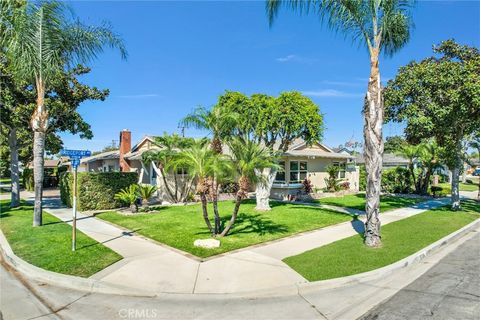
450 290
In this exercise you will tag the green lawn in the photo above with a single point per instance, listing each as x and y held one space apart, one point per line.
357 201
49 246
400 239
180 226
447 189
5 180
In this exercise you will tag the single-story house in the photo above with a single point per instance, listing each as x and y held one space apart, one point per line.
299 162
390 160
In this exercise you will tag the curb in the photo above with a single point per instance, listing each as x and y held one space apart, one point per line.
67 281
391 268
98 286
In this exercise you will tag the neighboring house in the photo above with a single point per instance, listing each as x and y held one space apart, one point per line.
390 160
343 150
299 162
50 172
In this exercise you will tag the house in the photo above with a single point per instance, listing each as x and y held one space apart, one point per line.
300 161
390 160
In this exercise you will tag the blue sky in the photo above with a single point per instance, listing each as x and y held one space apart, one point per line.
185 54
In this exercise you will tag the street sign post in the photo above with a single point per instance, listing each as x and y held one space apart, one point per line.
75 156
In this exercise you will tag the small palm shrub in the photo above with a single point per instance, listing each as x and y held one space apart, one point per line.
145 192
129 196
331 182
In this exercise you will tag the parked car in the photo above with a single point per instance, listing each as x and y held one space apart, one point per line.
476 172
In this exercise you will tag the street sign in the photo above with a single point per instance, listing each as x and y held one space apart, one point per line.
75 162
75 153
75 156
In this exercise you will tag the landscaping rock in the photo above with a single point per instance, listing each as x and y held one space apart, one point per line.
207 243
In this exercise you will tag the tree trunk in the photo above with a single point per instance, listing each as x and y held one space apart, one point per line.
456 188
373 114
14 172
203 197
214 194
38 154
238 201
165 183
263 189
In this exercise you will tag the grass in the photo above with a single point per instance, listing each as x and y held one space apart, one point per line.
400 239
5 180
357 201
49 246
180 226
447 188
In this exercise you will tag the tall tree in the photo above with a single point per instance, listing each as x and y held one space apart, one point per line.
17 102
247 157
202 163
165 160
381 26
275 122
41 42
394 144
439 97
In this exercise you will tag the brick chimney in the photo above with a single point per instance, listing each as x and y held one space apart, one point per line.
125 147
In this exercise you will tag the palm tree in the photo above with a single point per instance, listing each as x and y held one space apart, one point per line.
247 157
221 124
145 192
217 121
381 25
41 42
164 159
410 152
202 163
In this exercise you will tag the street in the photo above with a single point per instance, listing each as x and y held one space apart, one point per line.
450 290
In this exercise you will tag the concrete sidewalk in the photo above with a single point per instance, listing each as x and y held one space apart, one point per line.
161 269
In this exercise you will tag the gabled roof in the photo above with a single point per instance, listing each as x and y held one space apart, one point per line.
115 154
300 148
142 141
388 159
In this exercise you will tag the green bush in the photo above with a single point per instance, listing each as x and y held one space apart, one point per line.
96 190
27 178
363 179
436 190
397 180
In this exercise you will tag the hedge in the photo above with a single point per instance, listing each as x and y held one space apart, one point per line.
96 190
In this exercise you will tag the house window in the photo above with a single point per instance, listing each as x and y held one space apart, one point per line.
280 177
298 171
341 169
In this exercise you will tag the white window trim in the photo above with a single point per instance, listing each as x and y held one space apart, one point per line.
298 171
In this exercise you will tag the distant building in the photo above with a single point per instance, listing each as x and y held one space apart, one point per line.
390 160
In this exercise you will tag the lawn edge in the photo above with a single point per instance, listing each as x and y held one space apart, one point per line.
98 286
400 264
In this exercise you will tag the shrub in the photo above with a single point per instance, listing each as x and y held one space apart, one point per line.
307 186
344 185
363 179
145 192
27 178
435 190
331 182
96 190
397 180
129 196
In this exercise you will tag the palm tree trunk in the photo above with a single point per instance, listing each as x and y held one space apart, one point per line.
165 183
238 201
262 190
373 114
38 154
203 197
14 172
214 193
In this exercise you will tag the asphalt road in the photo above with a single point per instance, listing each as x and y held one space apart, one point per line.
450 290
